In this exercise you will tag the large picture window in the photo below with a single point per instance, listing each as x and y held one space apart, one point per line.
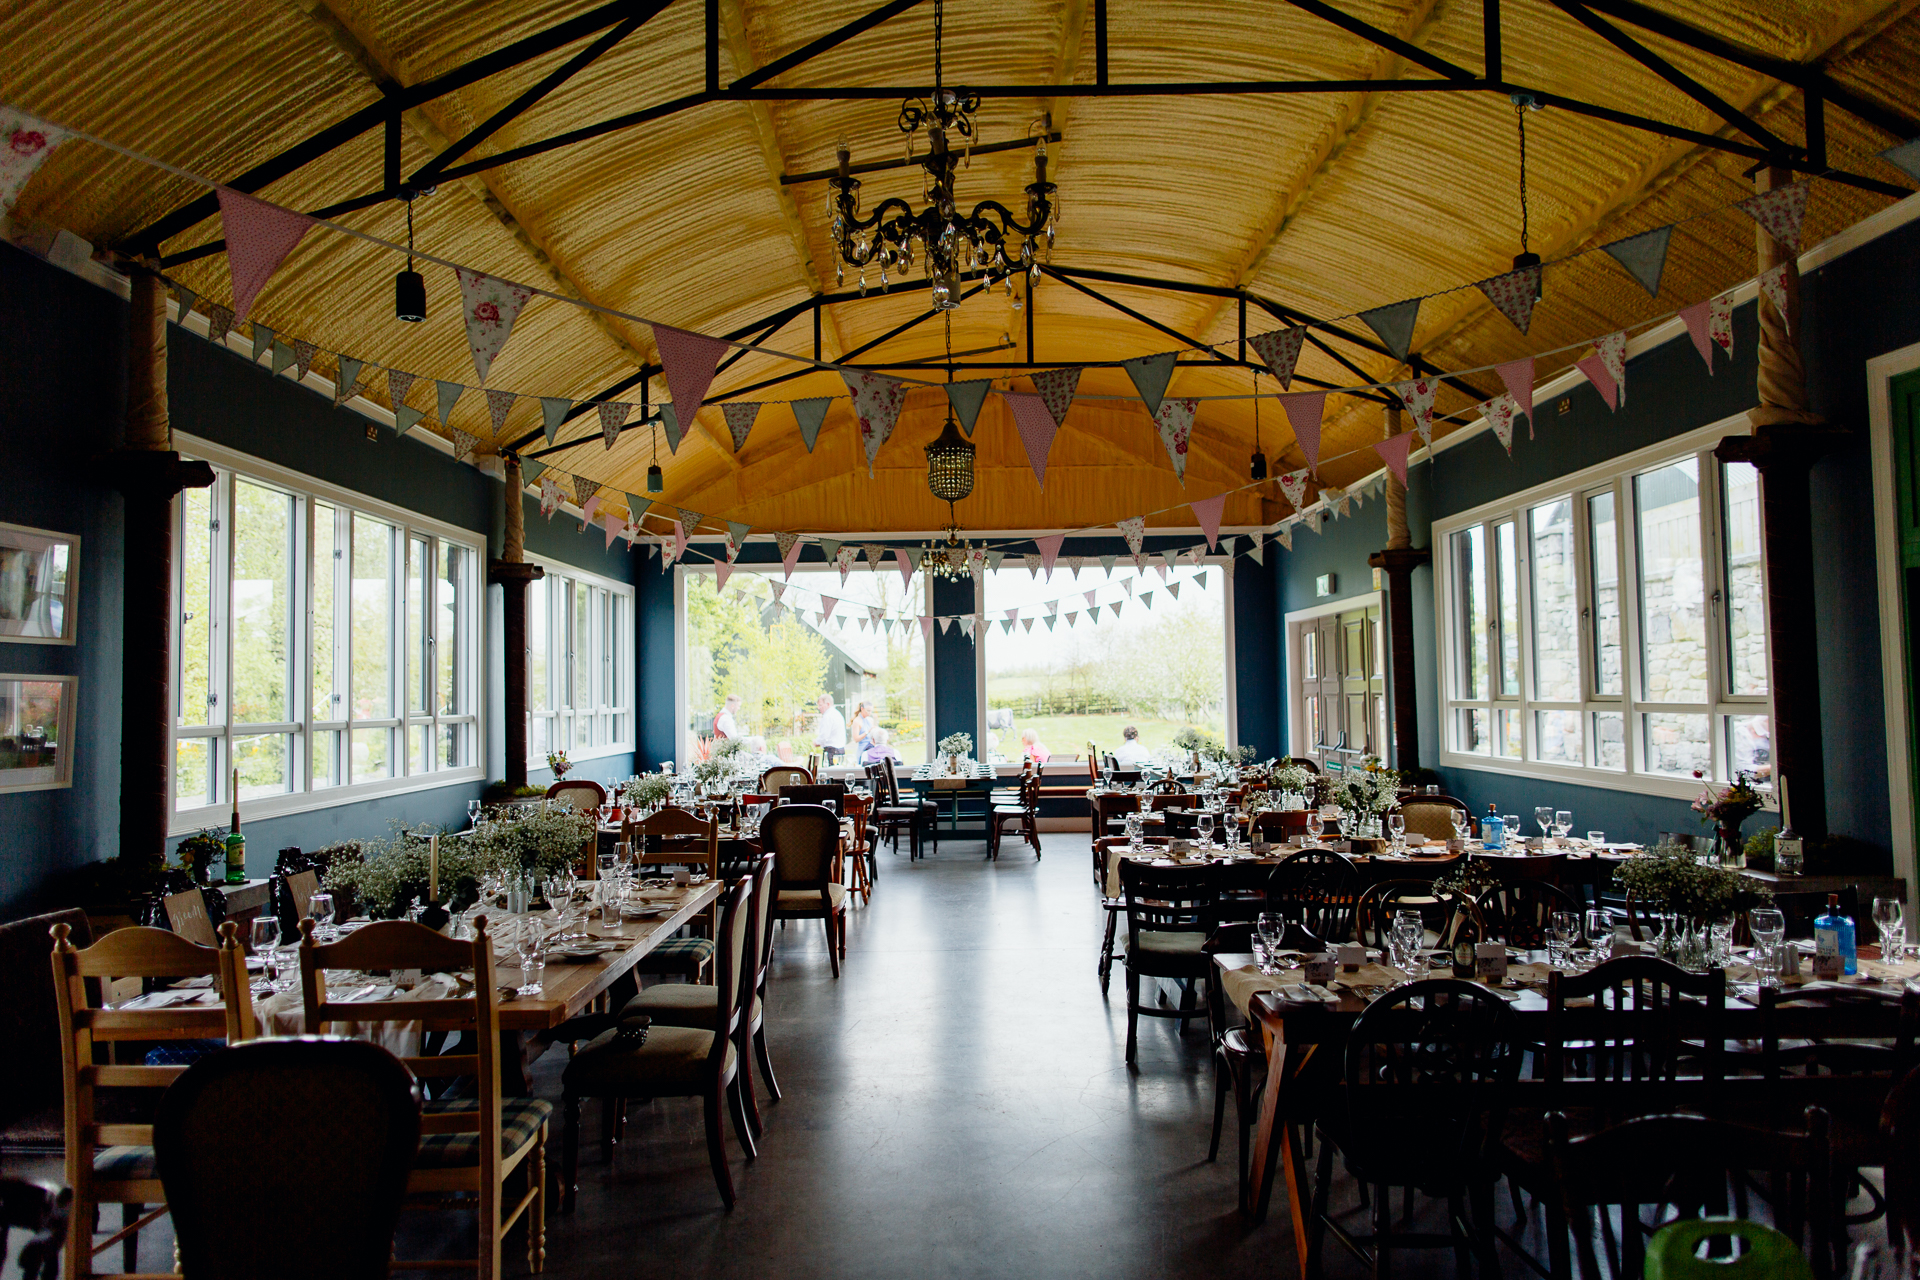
579 666
324 648
1077 658
1612 625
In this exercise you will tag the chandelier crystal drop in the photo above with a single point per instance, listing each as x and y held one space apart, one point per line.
950 243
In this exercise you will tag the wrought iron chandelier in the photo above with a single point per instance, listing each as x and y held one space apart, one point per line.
946 242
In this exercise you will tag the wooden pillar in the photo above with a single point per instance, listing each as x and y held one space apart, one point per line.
1399 559
1786 440
149 473
513 574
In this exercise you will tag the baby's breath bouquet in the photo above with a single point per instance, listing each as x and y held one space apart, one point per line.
956 744
1671 877
545 841
648 791
391 873
1370 789
1293 779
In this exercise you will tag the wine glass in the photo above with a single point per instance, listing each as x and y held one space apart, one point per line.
1512 821
1544 816
527 947
473 813
320 911
265 937
1397 828
1596 838
1316 824
1269 929
1204 822
1563 930
1769 927
1600 935
1462 823
1562 823
1889 915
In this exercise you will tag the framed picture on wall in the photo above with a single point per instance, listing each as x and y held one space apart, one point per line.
39 585
36 731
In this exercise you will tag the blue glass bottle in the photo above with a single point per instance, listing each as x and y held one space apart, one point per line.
1833 934
1493 832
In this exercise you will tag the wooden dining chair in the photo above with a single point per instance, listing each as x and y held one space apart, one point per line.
785 775
1431 816
805 842
1521 914
866 866
904 811
1279 826
667 837
1107 854
1319 890
1379 903
109 1162
1023 813
344 1120
640 1060
469 1147
582 794
1170 915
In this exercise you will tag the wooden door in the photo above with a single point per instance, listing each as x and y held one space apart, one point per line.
1317 699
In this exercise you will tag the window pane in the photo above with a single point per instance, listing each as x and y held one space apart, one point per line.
327 703
1507 739
1673 646
1508 555
419 747
539 737
372 625
452 737
1556 612
539 626
1556 737
1609 740
1309 654
450 630
372 752
419 673
265 761
1746 595
262 606
192 772
1676 744
326 758
196 607
1604 555
1474 728
1468 559
582 730
1750 746
581 641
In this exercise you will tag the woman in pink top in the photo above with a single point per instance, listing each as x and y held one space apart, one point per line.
1035 749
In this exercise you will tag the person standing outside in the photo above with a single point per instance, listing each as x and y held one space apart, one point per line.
724 724
830 730
862 728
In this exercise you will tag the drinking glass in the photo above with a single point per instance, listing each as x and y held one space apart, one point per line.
1544 816
1461 823
1596 837
1600 935
1769 926
1397 828
1271 928
1135 830
1719 941
1513 827
473 813
1315 825
320 911
265 938
527 946
1204 822
1562 823
1563 930
1888 915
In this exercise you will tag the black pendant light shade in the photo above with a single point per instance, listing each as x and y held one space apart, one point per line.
1258 471
655 482
410 297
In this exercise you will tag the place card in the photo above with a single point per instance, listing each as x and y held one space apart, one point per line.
1490 961
1261 849
1352 957
1827 965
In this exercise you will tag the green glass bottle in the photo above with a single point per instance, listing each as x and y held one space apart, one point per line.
236 843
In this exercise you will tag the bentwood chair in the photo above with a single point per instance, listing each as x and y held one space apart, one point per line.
1691 1165
639 1060
470 1148
785 775
1373 915
1426 1065
110 1163
582 794
685 1004
805 841
1170 915
345 1126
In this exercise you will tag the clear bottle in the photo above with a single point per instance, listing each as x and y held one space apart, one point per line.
1833 934
1493 832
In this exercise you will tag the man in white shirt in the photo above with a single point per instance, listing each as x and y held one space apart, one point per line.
724 725
1130 754
830 730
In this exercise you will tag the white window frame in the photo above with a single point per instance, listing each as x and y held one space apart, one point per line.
1617 474
304 798
617 668
681 573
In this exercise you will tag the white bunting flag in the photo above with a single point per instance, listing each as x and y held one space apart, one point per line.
1773 287
876 408
1175 424
28 142
1257 548
1280 351
967 621
1285 539
1500 414
843 559
1606 368
550 495
490 305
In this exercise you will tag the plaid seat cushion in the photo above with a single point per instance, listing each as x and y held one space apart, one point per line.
679 956
123 1164
520 1121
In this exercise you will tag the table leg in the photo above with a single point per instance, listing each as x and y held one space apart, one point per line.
1274 1138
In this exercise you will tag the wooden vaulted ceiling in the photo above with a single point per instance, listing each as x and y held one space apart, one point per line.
1324 203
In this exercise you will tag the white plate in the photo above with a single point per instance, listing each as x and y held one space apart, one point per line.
643 913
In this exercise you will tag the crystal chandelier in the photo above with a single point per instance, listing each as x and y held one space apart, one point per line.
946 242
949 478
946 558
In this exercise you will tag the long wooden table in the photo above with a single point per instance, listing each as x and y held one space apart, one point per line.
1295 1034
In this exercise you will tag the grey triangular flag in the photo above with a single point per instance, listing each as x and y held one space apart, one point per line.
1146 599
966 399
554 410
1394 323
1150 376
1173 589
448 393
187 298
670 423
262 340
1093 611
1644 256
1258 549
349 378
1201 578
1905 158
809 414
1049 620
1107 563
531 469
405 417
636 505
283 356
737 530
994 558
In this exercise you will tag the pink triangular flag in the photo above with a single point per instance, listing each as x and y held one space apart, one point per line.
905 564
1596 371
680 532
689 360
1208 511
1049 550
586 511
1517 377
612 415
1037 428
1393 451
491 306
1056 387
1280 350
1773 284
1304 410
1500 414
1514 293
613 527
1780 212
1613 357
259 238
722 570
1417 395
789 544
1697 318
828 604
926 628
